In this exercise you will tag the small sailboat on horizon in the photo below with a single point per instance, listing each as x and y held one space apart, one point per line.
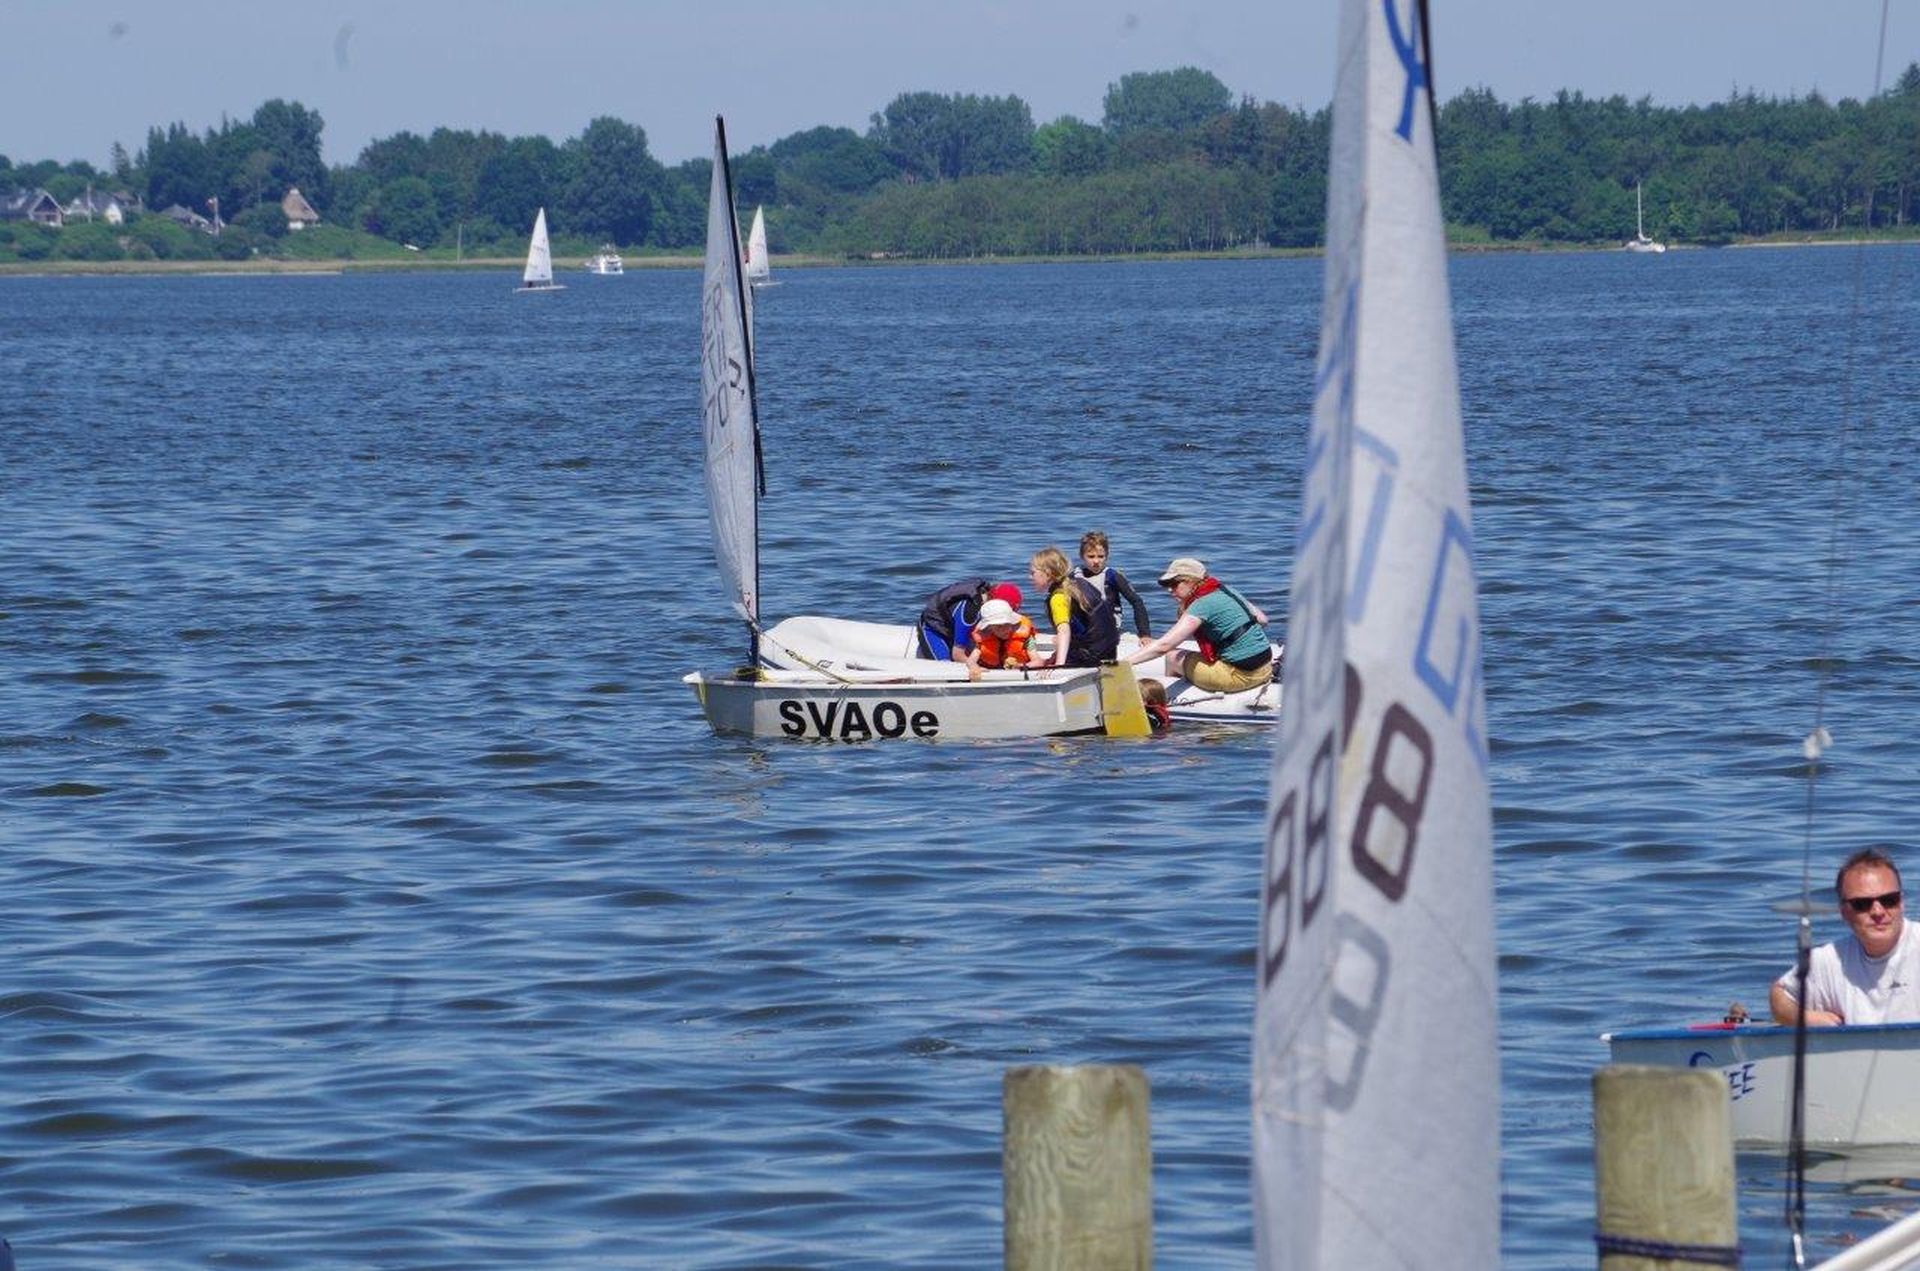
1640 242
538 275
759 266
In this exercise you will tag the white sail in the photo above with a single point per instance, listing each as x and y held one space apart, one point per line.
539 271
758 267
1376 1077
727 403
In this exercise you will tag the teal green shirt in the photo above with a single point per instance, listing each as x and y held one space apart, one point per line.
1220 616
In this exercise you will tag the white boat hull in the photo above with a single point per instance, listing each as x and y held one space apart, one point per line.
812 643
1860 1080
812 705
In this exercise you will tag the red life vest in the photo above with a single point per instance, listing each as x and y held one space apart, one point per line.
1208 652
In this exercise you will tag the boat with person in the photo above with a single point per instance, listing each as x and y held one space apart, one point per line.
1376 1071
838 679
606 262
1859 1078
538 275
1640 242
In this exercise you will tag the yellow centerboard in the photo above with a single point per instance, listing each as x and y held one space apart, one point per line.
1121 709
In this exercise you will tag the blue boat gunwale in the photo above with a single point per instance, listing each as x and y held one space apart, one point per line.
1701 1032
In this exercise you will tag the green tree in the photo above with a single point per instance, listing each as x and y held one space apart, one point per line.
520 178
406 212
1170 101
832 160
610 183
1068 147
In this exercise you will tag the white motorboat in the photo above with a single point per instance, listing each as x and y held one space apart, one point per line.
1640 242
606 262
800 678
1860 1078
538 275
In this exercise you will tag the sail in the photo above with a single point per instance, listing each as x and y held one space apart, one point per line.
726 398
758 267
1376 1077
539 257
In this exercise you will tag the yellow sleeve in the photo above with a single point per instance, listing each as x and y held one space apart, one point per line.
1059 608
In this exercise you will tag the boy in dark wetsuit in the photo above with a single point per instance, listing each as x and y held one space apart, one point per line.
1093 567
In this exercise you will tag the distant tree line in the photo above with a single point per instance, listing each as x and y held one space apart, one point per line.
1176 163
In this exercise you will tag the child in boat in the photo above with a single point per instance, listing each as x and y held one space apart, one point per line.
1085 632
1094 568
1153 696
1000 639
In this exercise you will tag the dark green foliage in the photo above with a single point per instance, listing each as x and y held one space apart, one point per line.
934 137
610 183
405 211
1069 148
830 160
1164 101
168 241
84 241
1176 165
265 220
239 244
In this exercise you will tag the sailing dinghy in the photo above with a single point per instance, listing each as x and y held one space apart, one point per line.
759 267
840 697
539 271
1376 1120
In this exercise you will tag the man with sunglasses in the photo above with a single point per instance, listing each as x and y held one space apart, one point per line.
1871 976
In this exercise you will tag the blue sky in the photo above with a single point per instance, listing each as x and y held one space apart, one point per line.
76 77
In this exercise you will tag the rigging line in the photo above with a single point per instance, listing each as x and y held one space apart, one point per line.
1839 558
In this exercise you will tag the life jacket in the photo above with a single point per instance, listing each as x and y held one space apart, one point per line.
1210 645
1092 623
1011 649
950 611
1159 718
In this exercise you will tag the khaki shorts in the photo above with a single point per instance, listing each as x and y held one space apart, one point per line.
1225 677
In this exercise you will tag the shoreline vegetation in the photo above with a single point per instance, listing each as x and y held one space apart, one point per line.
1176 164
1466 245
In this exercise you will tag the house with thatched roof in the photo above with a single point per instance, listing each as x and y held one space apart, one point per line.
31 205
300 213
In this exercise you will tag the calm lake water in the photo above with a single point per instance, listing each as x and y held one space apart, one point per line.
377 896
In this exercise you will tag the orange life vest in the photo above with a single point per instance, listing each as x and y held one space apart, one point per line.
1010 650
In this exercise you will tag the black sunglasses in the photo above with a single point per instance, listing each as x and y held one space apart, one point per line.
1863 904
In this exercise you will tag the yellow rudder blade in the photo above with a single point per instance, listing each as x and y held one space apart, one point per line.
1121 709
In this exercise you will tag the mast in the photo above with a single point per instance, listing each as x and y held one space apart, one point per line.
736 472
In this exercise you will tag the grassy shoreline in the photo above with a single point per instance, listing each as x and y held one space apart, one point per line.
576 265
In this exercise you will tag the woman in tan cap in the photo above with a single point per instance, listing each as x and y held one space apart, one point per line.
1230 630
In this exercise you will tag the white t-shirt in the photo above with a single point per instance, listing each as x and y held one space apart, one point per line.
1863 990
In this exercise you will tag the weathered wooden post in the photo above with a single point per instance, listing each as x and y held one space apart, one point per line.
1663 1169
1077 1168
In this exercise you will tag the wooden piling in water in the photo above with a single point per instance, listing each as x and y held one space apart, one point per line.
1077 1169
1663 1169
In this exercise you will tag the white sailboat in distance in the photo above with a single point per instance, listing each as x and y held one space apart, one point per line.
539 271
1640 242
1376 1120
759 268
